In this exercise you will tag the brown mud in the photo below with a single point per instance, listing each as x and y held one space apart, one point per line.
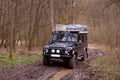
56 71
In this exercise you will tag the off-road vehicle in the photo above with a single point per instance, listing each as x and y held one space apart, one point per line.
68 43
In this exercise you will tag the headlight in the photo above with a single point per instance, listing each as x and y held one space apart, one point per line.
53 51
66 52
58 51
46 50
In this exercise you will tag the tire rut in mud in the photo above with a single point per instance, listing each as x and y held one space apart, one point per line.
83 71
55 71
34 71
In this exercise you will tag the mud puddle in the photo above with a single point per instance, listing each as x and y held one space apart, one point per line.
56 71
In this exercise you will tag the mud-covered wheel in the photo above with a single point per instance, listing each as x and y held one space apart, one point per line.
83 58
72 62
46 61
86 52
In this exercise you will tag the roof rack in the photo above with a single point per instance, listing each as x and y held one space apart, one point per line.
72 27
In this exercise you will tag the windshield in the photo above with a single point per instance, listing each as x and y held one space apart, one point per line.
64 36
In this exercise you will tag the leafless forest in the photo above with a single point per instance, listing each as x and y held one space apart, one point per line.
30 21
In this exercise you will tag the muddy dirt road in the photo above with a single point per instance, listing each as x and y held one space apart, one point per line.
56 71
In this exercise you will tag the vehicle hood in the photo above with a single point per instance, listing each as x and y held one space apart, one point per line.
60 45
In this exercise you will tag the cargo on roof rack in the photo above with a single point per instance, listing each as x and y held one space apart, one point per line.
72 27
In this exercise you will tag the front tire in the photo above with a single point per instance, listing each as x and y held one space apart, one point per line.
83 57
72 62
46 61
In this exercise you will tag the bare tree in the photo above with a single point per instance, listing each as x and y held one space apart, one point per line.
52 12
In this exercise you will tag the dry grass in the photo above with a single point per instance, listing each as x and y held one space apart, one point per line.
107 67
102 47
23 50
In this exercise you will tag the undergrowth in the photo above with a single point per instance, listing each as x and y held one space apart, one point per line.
106 67
17 60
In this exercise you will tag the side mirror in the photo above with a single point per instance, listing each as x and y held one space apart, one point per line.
79 42
50 41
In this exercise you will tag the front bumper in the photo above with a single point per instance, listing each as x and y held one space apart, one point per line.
59 56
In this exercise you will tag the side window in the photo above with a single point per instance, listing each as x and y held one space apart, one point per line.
82 38
85 38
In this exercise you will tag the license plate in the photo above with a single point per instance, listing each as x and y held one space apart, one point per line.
55 55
